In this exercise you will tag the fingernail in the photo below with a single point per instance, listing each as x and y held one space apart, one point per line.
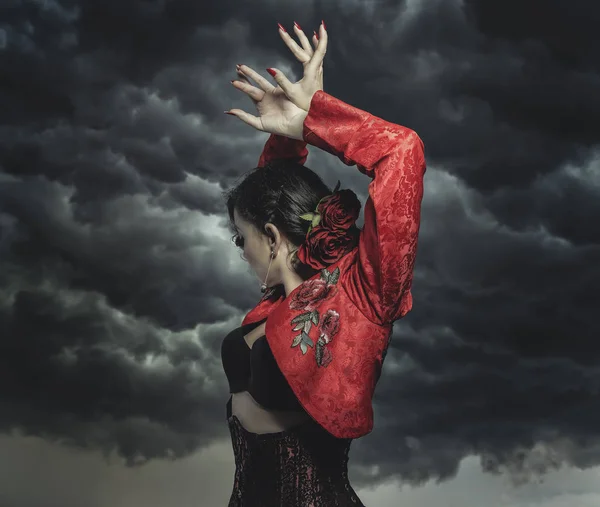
227 112
324 27
281 28
232 81
316 35
271 71
297 26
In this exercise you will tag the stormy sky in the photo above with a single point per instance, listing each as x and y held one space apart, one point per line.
118 279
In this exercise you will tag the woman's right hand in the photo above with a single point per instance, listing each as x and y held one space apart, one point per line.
278 114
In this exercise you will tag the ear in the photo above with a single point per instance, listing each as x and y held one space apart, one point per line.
276 239
272 233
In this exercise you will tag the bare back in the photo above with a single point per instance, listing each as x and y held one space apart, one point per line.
253 416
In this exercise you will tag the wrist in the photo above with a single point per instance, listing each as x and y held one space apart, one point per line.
296 136
296 126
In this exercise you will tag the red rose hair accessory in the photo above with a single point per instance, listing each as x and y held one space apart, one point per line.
330 235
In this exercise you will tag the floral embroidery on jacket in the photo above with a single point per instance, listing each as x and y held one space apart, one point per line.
308 297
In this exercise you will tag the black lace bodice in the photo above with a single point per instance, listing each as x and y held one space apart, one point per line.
299 467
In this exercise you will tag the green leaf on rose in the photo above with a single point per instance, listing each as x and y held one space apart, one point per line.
308 216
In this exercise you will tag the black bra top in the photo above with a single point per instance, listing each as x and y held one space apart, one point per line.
255 370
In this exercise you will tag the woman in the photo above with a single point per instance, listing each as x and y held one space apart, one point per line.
303 366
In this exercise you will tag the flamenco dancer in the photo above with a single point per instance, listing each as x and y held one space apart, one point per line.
303 367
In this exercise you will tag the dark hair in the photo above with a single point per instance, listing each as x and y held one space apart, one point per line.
279 193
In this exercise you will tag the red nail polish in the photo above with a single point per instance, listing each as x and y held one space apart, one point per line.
281 27
297 26
316 35
227 112
271 71
325 27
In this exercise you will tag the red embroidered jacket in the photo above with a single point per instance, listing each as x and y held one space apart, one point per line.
330 335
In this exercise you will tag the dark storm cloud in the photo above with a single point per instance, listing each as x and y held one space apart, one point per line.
114 151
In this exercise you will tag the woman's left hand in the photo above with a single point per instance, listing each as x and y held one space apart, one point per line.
301 93
283 108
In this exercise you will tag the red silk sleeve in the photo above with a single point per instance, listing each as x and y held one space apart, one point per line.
280 147
379 283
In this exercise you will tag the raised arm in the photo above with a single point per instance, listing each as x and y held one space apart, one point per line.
380 281
280 147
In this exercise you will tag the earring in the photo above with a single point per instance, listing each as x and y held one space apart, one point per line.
263 286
